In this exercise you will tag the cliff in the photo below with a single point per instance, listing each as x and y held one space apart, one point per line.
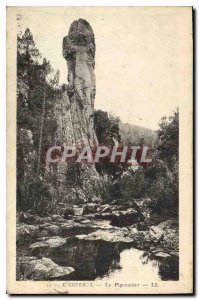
74 110
76 107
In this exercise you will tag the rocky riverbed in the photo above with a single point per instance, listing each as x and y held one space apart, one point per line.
88 243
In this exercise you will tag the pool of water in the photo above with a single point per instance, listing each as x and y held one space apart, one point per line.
137 265
101 260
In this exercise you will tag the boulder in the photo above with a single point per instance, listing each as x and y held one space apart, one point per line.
67 225
171 239
52 229
174 253
125 218
141 239
156 233
46 220
96 199
56 218
162 254
67 212
133 231
85 221
42 226
168 224
105 208
90 208
52 242
27 217
33 268
25 231
46 246
167 233
103 216
114 236
78 211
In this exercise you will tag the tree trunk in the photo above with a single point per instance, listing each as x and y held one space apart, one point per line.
41 132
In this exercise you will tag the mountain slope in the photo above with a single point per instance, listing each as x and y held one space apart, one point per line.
134 133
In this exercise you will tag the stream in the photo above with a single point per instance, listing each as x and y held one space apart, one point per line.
104 260
101 260
137 266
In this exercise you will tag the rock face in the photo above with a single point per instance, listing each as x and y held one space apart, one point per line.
53 242
125 218
79 52
41 269
74 110
111 235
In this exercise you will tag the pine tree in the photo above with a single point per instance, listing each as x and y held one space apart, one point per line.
37 87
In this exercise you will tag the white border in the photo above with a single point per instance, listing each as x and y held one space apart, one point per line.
3 5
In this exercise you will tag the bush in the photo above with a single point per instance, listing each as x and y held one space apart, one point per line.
133 186
164 190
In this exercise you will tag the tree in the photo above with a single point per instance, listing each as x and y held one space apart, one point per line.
162 176
108 133
107 127
27 57
168 139
37 87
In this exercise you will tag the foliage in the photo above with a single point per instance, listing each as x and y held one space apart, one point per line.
37 87
107 127
108 133
163 173
168 139
158 181
133 186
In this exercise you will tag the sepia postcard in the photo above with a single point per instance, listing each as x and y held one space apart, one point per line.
99 150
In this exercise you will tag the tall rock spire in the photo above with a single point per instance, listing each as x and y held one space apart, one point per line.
79 52
74 112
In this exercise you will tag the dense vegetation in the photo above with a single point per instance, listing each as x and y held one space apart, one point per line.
159 181
37 89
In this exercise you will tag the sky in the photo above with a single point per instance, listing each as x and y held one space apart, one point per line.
139 63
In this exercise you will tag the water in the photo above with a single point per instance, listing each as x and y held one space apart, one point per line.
101 260
137 265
